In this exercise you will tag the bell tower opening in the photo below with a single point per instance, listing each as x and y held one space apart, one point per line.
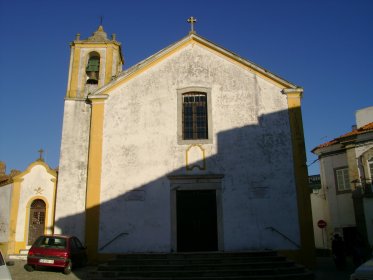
93 68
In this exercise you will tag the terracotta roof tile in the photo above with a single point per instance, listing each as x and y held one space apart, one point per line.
364 129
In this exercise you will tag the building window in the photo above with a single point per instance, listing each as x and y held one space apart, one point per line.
194 116
370 162
343 181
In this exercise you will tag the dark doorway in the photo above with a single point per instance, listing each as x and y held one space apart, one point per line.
350 237
36 221
196 221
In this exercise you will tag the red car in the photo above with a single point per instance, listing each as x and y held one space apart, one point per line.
59 251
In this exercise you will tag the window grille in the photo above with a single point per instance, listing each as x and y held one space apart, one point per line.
195 116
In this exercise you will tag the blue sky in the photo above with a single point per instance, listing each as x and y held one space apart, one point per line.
324 46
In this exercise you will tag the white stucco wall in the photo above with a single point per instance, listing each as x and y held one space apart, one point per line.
71 190
341 209
251 147
5 206
320 211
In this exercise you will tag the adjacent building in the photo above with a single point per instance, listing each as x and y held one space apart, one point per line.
346 170
27 203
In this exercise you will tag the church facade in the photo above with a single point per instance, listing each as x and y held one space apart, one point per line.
191 149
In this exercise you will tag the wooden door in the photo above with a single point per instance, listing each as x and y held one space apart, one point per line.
36 221
196 221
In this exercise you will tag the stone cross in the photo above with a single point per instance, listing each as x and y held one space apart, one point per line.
192 20
41 151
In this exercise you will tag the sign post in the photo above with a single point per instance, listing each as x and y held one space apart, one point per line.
322 225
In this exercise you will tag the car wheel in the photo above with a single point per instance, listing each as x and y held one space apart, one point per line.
29 268
84 261
67 269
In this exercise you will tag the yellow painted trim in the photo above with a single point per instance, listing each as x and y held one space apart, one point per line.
76 50
27 217
19 246
14 215
94 177
307 251
89 45
35 163
240 64
73 90
190 41
189 166
109 64
145 68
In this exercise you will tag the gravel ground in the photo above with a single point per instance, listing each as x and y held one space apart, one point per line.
19 273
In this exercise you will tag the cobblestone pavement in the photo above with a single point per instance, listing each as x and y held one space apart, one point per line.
325 270
19 273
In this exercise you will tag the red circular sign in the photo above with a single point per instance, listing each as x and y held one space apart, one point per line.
321 224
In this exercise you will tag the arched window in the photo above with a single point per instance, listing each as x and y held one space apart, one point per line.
93 68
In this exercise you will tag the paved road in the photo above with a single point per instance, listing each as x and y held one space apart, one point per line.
325 270
19 273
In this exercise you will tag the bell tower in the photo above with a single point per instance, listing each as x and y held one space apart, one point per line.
93 63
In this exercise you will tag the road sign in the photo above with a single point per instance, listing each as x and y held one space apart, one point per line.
321 224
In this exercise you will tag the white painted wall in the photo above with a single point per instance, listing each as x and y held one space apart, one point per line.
320 212
5 206
251 147
364 116
71 189
341 211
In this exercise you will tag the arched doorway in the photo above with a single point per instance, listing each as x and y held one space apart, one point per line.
36 221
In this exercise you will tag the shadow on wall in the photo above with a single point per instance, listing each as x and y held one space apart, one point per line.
250 177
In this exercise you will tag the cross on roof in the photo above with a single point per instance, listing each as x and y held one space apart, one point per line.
192 20
41 151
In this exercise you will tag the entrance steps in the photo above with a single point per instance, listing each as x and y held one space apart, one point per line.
201 266
21 256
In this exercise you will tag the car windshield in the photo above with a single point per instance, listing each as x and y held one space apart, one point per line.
50 242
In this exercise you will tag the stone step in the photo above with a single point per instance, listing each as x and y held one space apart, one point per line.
21 256
201 273
222 261
199 255
17 257
201 266
195 266
299 276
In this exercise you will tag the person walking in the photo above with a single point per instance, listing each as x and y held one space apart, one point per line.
338 250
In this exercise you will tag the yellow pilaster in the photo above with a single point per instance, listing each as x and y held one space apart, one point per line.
14 215
109 64
94 176
73 85
307 250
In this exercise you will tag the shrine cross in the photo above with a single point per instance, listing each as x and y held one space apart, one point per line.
192 20
41 151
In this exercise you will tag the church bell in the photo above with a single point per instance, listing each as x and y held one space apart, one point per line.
92 70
